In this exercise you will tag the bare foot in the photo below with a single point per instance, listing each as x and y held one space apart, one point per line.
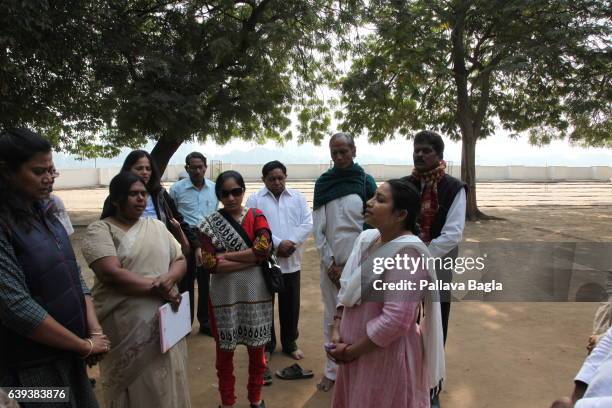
325 385
297 354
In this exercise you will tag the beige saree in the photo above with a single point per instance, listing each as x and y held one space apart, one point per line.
135 373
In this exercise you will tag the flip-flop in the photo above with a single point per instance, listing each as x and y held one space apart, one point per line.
294 372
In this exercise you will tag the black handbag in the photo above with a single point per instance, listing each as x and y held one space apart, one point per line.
273 276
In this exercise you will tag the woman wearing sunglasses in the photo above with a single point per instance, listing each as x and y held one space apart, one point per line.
235 239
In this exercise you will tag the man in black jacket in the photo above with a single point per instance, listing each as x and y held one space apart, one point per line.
442 217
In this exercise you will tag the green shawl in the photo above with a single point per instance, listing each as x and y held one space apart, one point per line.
336 183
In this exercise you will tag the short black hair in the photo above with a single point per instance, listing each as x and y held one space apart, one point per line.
154 184
226 175
432 138
269 166
195 155
349 138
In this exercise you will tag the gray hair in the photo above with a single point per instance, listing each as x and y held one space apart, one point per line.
349 138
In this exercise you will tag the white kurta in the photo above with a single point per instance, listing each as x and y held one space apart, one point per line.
336 228
596 372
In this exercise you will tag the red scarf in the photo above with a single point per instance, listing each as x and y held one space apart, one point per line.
429 198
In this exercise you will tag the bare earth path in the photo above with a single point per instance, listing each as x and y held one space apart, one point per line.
498 354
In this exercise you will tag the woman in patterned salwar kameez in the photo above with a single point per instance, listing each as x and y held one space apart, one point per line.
391 354
235 240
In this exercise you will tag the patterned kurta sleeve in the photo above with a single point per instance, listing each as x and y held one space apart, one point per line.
209 254
262 243
18 310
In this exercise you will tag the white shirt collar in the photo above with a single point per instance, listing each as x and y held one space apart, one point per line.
265 191
191 185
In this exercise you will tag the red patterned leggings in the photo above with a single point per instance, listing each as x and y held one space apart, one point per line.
225 369
225 373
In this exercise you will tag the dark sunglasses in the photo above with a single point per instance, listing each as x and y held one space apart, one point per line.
236 192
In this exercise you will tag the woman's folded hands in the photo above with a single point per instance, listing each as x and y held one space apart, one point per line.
164 287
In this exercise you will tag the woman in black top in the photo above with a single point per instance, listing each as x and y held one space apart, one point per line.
159 203
48 327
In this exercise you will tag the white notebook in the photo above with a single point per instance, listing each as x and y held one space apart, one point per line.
173 326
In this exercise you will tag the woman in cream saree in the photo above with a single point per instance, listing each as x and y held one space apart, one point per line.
137 262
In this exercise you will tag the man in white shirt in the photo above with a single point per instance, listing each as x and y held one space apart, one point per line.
290 219
593 383
339 197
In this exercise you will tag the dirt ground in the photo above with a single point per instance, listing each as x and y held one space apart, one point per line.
497 355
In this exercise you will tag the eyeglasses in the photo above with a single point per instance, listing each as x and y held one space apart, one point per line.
236 192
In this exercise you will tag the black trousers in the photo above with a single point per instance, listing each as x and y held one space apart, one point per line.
445 275
445 312
192 274
288 313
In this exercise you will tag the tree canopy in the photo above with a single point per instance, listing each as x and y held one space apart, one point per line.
169 71
464 66
95 76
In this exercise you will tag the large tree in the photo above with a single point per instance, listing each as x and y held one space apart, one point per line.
129 72
46 81
464 67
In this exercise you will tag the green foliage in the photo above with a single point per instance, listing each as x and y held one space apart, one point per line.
536 66
45 81
100 75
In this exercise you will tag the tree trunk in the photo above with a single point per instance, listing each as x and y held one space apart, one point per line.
468 175
468 122
164 150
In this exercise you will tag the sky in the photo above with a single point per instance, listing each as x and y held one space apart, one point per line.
496 150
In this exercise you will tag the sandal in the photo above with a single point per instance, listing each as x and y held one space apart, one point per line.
294 372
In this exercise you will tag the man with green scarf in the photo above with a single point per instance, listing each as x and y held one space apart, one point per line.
339 198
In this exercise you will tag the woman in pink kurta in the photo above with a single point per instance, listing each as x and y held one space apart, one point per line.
377 339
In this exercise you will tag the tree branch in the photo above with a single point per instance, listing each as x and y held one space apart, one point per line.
483 102
464 111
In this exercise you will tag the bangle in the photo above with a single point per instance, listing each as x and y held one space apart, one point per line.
336 317
98 333
91 346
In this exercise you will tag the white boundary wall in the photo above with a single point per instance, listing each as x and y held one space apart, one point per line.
81 178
